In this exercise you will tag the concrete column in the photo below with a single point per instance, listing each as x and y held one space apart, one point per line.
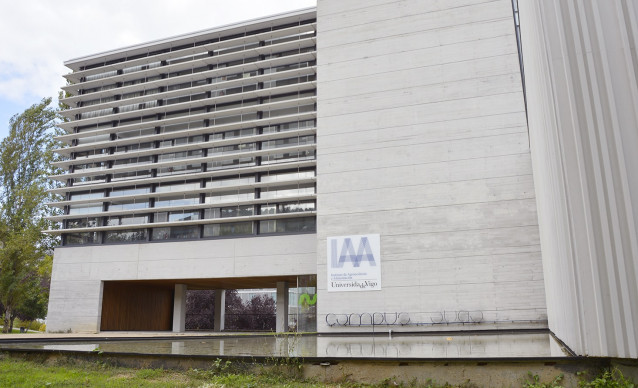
282 307
179 309
220 310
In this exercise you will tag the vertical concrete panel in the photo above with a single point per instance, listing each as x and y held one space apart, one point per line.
580 68
282 307
409 123
179 308
220 310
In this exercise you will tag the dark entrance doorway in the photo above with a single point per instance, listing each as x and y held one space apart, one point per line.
136 307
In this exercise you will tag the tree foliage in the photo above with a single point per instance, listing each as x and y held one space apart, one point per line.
200 309
257 314
25 157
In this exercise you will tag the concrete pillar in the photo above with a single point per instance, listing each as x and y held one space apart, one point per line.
220 310
179 309
282 307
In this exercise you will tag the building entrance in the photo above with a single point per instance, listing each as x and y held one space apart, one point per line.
270 304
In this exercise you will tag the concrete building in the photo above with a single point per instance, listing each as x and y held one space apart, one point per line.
207 138
384 156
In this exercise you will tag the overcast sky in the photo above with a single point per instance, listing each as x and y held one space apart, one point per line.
37 36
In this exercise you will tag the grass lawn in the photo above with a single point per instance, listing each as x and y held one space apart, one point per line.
19 373
16 330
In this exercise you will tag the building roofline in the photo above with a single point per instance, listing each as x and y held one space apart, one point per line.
75 63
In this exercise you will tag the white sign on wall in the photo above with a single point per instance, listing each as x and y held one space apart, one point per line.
354 263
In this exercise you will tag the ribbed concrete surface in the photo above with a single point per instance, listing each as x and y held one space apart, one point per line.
581 68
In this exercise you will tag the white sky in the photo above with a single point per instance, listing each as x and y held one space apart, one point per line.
37 36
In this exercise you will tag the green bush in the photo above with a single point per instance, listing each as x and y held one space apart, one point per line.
534 382
608 379
35 325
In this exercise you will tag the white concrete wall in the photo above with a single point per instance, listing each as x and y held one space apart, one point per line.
422 138
78 272
581 70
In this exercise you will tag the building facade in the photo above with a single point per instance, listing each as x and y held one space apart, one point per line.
383 157
207 138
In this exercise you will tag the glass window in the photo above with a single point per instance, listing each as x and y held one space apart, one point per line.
82 223
288 38
180 155
80 238
290 52
128 205
290 225
122 176
89 166
233 134
133 147
96 113
141 67
85 180
186 112
183 216
179 169
289 96
163 188
288 111
229 229
233 119
87 195
176 233
181 141
230 181
125 236
176 216
132 94
126 220
225 212
230 196
288 156
293 207
134 133
185 98
291 141
85 208
99 88
87 154
141 80
287 191
235 90
287 176
230 149
230 163
186 85
181 200
106 74
289 81
291 66
137 106
133 161
131 190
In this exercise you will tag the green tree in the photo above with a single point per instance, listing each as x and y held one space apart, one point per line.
25 157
